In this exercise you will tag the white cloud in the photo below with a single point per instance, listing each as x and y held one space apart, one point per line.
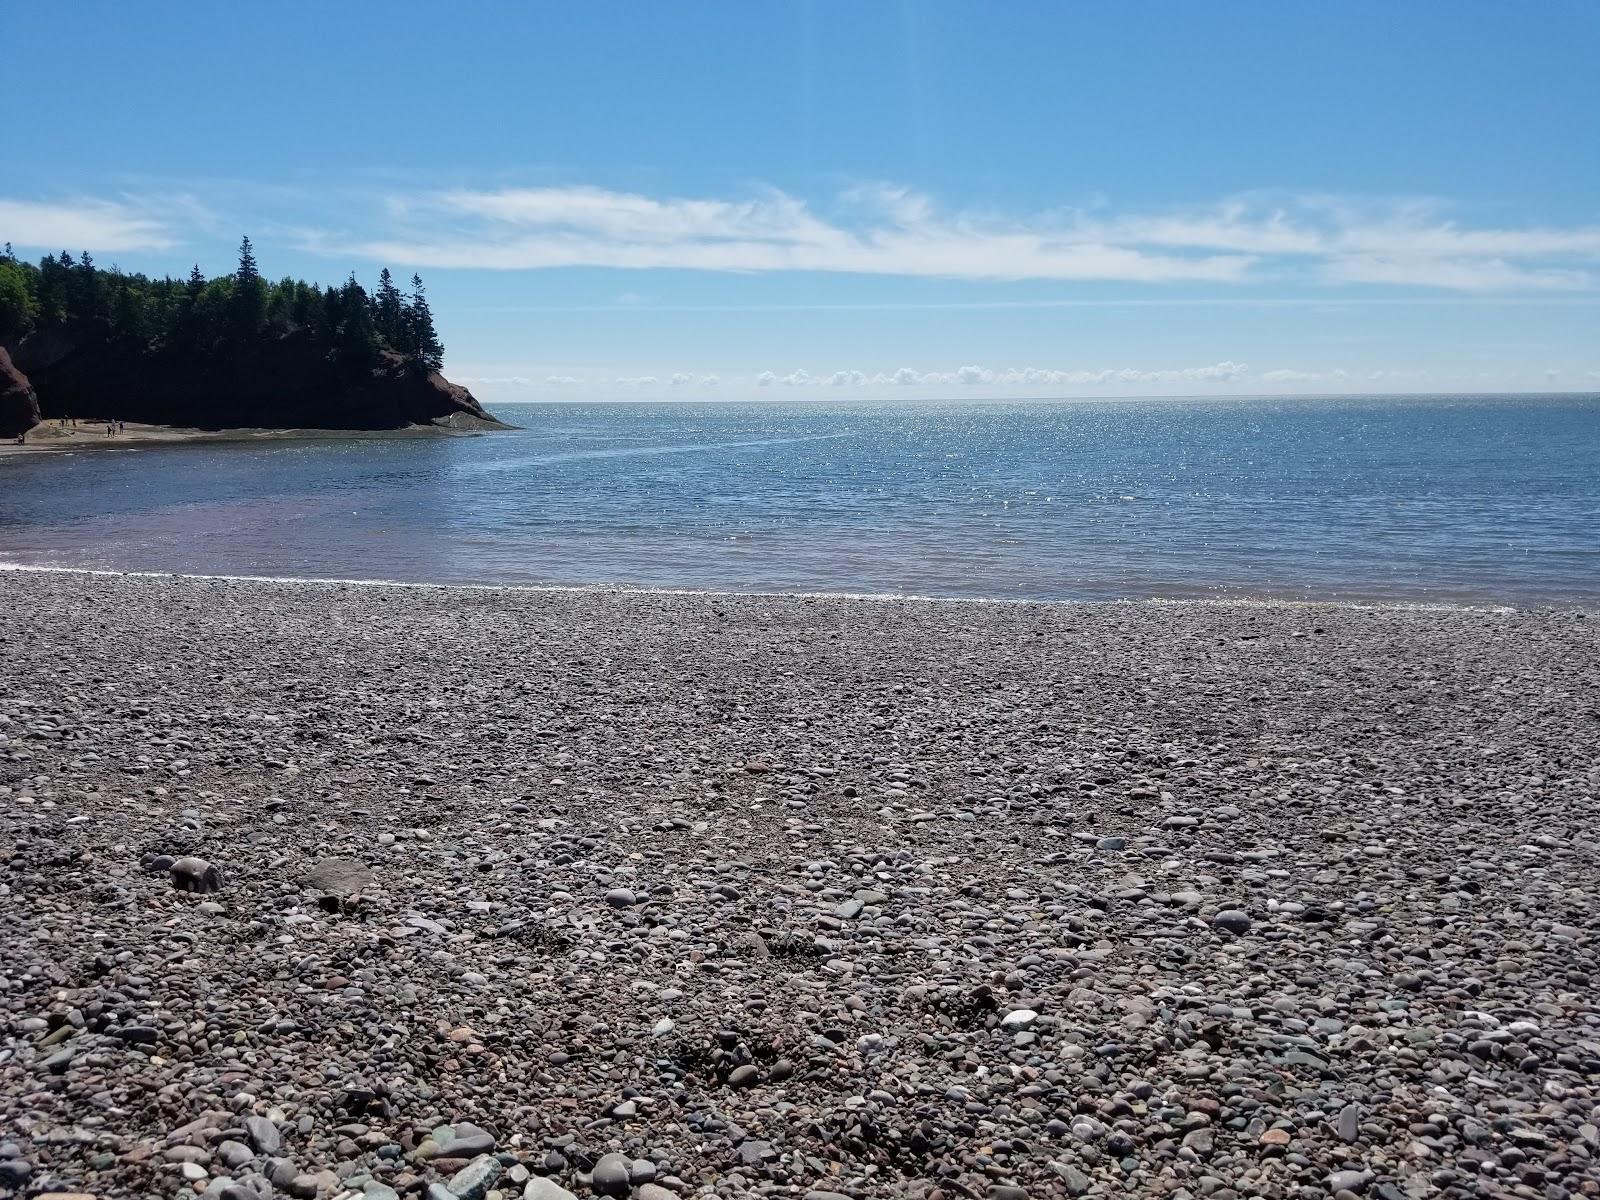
681 379
899 233
893 231
1219 372
1464 274
1295 375
563 380
1394 242
1014 378
96 225
799 377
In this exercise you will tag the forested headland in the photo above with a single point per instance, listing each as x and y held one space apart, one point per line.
235 350
222 316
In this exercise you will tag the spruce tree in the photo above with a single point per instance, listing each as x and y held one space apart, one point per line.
248 307
421 341
387 311
247 272
87 292
358 338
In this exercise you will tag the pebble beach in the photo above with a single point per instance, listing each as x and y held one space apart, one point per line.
333 890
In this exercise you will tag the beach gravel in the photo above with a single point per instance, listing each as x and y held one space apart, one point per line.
327 890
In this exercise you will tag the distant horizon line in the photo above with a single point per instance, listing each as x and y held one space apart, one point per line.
1593 394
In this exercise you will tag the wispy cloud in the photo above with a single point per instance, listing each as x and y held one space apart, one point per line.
887 232
88 224
893 231
1293 241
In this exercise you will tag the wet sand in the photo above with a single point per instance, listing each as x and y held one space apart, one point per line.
53 437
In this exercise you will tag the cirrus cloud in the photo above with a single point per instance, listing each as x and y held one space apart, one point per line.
83 224
894 231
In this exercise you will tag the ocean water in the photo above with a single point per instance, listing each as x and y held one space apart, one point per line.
1475 499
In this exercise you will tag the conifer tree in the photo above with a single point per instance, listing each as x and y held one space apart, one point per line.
421 341
190 317
248 306
388 316
248 272
357 336
88 290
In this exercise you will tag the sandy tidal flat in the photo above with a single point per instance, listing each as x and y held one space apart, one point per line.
535 893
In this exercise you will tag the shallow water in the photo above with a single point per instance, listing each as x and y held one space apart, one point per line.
1470 499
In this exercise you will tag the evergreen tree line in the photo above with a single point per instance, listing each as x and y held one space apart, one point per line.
214 317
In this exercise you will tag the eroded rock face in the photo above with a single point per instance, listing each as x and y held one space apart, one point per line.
19 403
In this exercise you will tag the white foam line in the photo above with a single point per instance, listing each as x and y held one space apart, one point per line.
603 589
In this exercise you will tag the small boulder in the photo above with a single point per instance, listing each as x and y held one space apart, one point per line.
610 1176
474 1180
195 875
263 1135
342 877
1233 920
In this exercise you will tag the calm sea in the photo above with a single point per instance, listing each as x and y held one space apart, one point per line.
1471 499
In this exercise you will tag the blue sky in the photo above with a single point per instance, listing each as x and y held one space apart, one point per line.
831 200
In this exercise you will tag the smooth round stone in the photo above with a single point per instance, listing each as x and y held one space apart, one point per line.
621 898
641 1170
610 1176
542 1188
234 1154
1348 1181
1233 920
